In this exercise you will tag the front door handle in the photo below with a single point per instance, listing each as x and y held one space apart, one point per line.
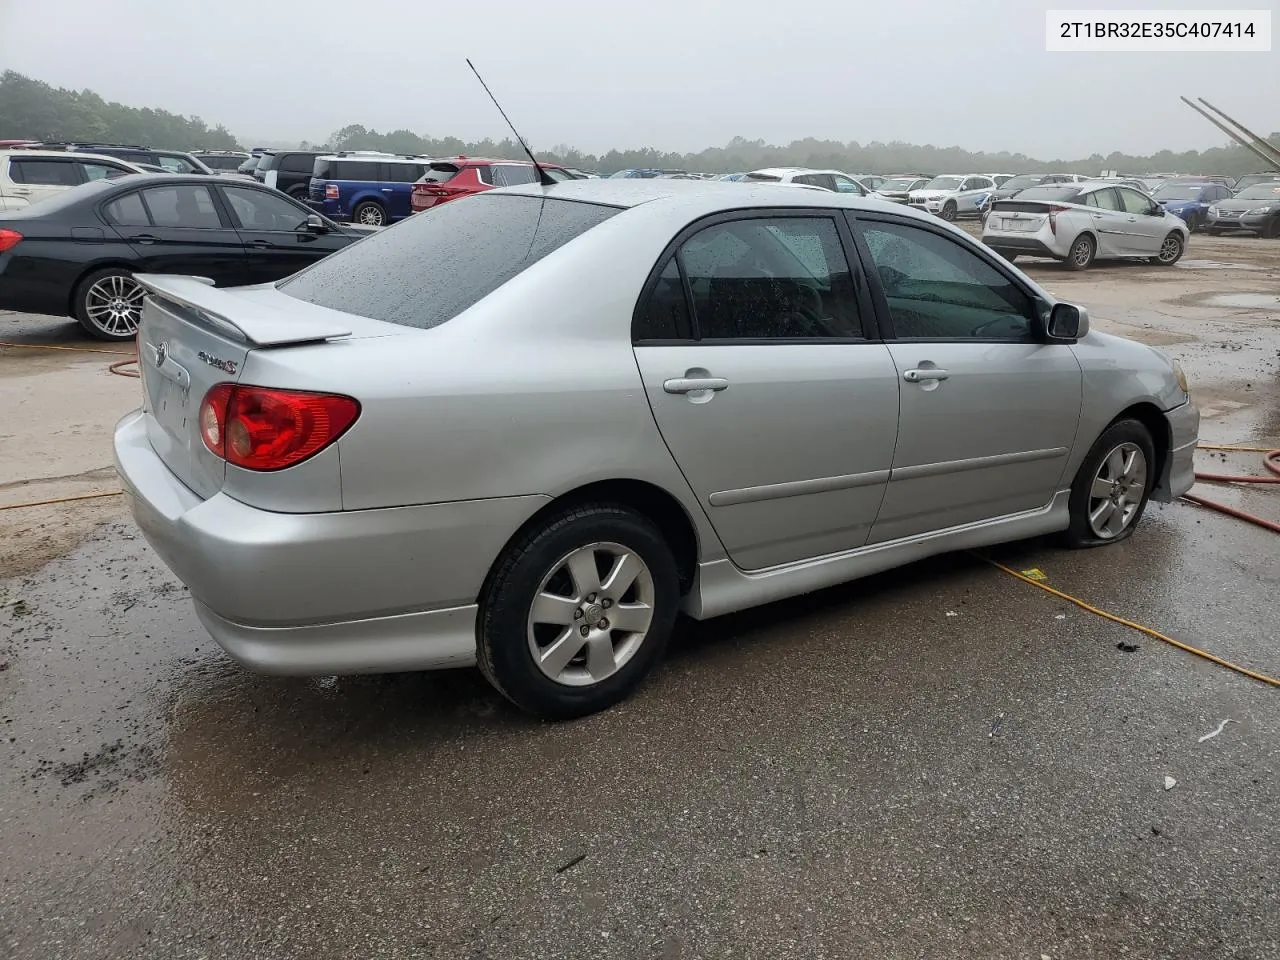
261 244
690 384
925 375
145 238
388 190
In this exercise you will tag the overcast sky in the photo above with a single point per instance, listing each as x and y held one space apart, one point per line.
674 75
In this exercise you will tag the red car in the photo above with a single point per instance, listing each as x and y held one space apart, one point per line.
462 176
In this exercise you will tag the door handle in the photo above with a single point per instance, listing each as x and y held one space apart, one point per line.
924 375
22 191
1133 219
1097 216
388 190
145 238
690 384
261 244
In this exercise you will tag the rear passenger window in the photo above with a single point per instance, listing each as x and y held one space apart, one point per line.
665 315
182 206
128 211
49 173
771 278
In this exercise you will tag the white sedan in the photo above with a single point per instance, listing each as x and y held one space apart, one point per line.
1080 222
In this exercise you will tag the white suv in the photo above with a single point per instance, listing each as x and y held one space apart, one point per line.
832 180
953 195
29 176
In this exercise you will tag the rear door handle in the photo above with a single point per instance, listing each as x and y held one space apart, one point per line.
261 244
690 384
924 375
388 190
145 238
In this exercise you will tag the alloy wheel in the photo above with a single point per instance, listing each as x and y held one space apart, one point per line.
1170 250
591 614
114 304
371 216
1082 252
1117 491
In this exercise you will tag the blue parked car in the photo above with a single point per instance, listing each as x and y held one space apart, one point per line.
1190 200
363 187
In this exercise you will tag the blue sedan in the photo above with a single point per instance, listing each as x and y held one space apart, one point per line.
1190 200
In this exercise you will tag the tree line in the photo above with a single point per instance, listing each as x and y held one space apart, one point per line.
31 108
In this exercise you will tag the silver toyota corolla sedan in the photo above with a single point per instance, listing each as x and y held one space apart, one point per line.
526 429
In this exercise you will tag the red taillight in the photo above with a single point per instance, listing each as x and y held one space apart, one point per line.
331 191
259 428
1054 210
9 239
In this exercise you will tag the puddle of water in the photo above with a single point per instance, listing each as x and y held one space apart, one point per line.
1214 265
1248 301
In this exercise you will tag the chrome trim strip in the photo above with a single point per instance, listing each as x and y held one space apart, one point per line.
974 463
796 488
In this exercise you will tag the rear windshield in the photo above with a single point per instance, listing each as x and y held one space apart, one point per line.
249 165
220 161
266 162
1055 191
439 172
434 265
1022 182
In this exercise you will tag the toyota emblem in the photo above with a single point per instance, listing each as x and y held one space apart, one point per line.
162 353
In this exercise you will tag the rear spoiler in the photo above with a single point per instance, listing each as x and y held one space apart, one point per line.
259 325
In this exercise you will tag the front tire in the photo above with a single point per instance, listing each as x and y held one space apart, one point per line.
1111 490
1271 229
1171 250
578 610
369 214
949 212
1082 252
108 304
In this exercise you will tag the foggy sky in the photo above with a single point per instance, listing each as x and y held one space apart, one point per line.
674 75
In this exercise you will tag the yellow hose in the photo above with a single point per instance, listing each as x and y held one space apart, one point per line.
1155 634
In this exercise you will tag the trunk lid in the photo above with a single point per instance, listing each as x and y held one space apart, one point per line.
194 336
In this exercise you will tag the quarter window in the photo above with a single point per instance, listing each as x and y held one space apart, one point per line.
182 206
938 290
848 185
665 315
771 278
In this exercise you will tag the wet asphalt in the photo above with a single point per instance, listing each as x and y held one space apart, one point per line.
941 761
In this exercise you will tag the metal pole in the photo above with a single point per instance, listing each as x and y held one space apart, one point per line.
1263 144
1266 158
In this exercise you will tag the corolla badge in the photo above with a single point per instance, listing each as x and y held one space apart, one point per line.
226 366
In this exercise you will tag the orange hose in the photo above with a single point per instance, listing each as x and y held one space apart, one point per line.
1270 460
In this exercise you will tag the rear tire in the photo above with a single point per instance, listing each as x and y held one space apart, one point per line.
1212 232
1271 229
108 304
1109 477
1171 250
559 563
369 214
1009 255
1083 249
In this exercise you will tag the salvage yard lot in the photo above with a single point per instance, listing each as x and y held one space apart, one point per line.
939 761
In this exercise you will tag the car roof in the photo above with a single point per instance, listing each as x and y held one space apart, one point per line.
697 198
64 154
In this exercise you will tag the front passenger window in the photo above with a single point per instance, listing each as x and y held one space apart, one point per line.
260 210
939 290
1134 202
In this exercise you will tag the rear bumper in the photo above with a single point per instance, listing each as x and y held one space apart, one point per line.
361 591
1184 434
1032 246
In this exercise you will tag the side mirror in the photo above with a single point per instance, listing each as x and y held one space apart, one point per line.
315 224
1068 322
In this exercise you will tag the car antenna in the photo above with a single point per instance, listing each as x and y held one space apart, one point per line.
543 177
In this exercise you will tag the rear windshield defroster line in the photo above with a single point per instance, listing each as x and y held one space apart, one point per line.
431 267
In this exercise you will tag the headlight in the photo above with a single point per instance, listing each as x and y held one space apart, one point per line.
1213 211
1180 376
